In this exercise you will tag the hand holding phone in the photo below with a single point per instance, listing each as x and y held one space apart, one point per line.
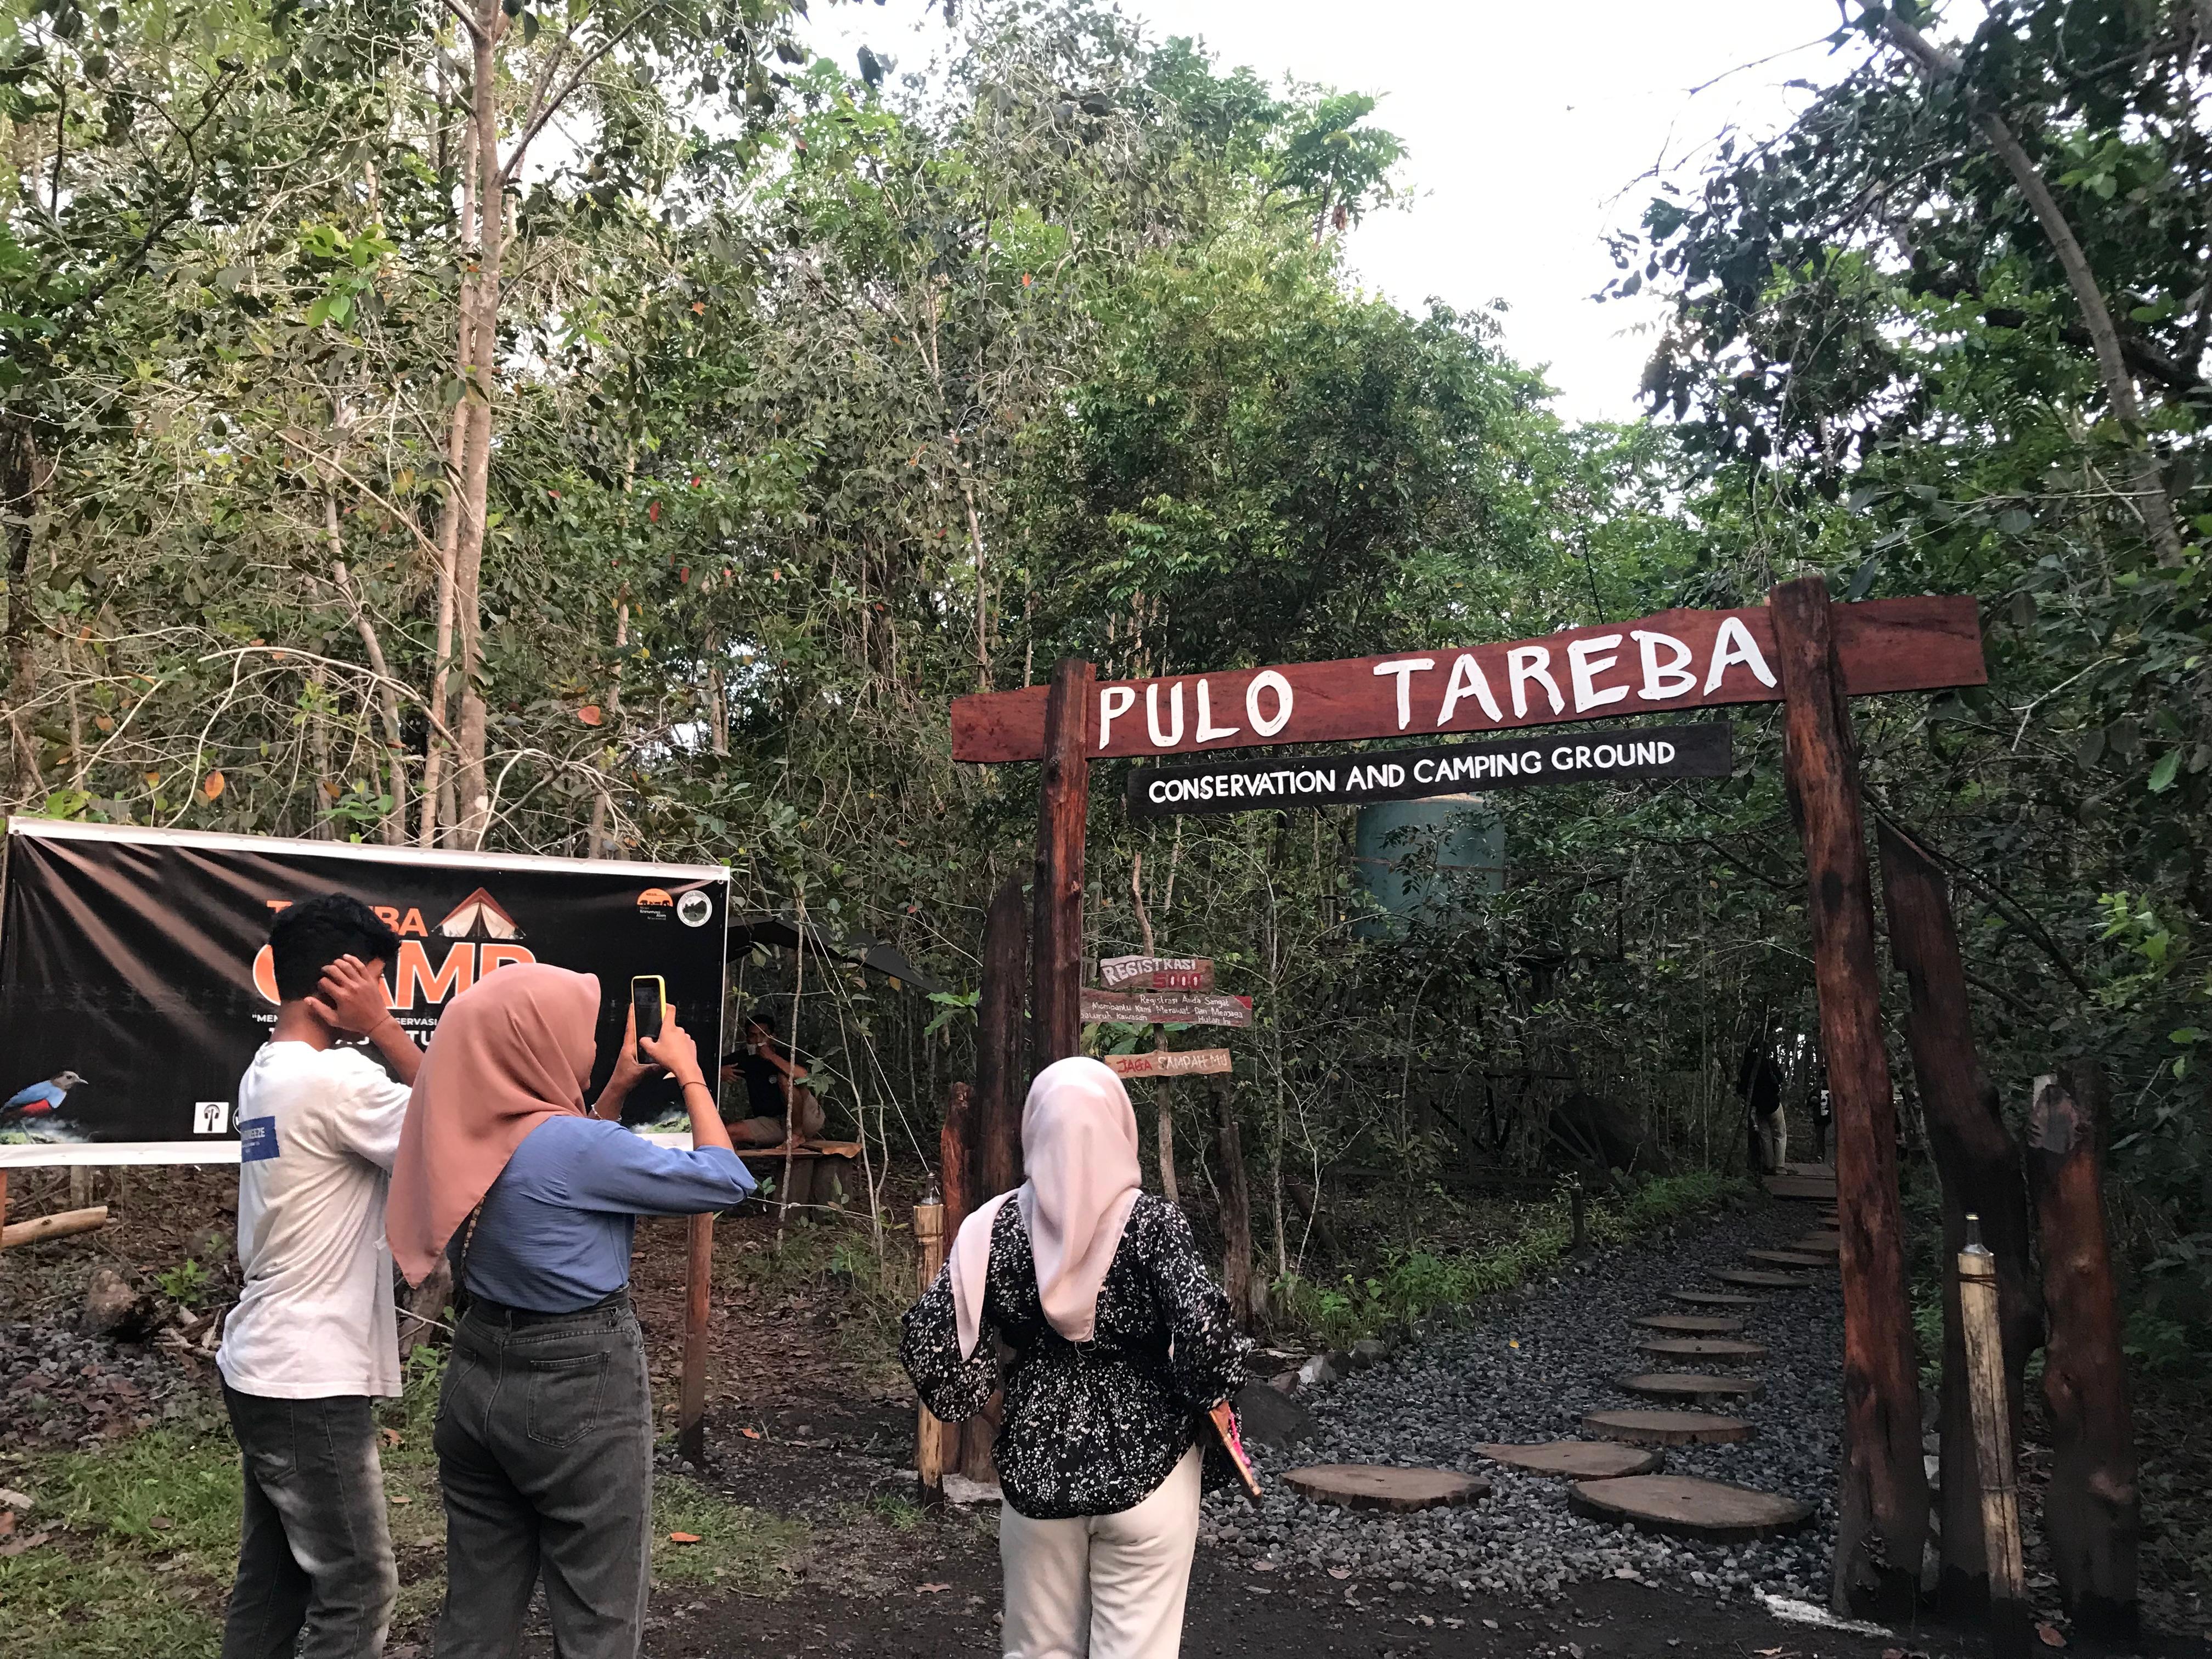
648 1001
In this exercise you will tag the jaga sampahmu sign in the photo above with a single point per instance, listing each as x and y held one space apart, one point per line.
1676 660
1225 785
137 960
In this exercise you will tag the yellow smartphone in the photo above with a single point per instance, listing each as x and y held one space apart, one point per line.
648 999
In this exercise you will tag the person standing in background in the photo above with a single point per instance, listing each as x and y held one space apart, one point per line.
312 1339
1121 1343
545 1434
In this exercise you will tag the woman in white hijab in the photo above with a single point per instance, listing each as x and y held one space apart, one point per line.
1120 1343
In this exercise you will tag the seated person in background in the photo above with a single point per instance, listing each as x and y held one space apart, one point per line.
773 1085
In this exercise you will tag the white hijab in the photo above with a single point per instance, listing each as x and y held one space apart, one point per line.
1079 1147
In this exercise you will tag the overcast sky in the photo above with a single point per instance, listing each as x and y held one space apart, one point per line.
1528 129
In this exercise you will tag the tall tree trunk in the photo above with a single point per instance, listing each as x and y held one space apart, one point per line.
1980 1166
1063 810
23 473
1235 1207
480 326
2092 1510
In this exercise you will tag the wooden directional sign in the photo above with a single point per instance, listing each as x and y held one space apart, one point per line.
1167 1008
1169 1062
1223 784
1156 973
1659 665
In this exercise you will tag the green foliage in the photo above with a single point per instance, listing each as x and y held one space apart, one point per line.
185 1283
1412 1284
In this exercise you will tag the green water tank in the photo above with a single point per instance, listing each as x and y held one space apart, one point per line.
1412 856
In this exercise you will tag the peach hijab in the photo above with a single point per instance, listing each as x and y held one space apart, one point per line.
1079 1146
514 1049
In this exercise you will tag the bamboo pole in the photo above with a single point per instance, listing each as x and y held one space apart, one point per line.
691 1395
1987 1385
60 1224
936 1443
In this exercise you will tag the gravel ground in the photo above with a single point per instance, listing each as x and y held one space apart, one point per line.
1527 1371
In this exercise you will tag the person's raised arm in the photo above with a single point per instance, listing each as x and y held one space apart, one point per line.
675 1051
351 998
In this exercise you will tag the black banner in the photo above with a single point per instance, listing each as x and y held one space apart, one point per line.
1227 785
137 961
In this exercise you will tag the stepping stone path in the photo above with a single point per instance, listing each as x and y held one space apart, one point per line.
1657 1428
1801 1187
1819 1244
1712 1510
1379 1486
1690 1385
1759 1279
1714 1299
1588 1459
1787 1259
1700 1347
1690 1324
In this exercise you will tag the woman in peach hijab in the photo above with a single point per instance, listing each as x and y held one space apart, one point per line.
1122 1341
544 1431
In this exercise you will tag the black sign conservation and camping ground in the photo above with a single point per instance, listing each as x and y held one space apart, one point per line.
136 960
1227 784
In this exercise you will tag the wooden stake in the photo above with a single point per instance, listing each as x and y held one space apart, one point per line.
60 1224
1236 1206
2092 1511
1980 1166
936 1444
1883 1524
1989 1391
1056 965
698 1287
1001 1049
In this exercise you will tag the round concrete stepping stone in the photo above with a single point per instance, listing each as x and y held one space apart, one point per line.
1801 1187
1588 1459
1379 1486
1787 1259
1715 1298
1684 1507
1690 1324
1818 1244
1690 1385
1759 1278
1657 1428
1700 1347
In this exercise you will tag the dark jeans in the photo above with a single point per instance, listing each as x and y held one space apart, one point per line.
314 1551
545 1453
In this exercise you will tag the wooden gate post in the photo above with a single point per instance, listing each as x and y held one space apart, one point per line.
2093 1509
691 1391
1001 1046
1979 1165
1056 961
936 1443
1883 1524
956 1159
1991 1404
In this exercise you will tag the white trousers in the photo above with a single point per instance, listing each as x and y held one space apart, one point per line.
1102 1586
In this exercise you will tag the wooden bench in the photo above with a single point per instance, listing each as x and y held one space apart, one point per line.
812 1174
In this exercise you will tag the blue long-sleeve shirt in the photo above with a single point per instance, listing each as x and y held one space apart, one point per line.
555 1232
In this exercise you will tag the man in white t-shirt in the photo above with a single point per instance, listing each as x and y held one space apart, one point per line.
312 1339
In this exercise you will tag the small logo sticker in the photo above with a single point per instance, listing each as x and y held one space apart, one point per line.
210 1118
257 1139
655 902
695 909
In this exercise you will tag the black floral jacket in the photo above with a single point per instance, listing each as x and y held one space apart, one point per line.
1090 1428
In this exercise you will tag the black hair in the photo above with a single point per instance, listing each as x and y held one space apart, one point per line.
308 936
761 1017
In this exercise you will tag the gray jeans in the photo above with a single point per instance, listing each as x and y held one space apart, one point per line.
314 1552
544 1444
